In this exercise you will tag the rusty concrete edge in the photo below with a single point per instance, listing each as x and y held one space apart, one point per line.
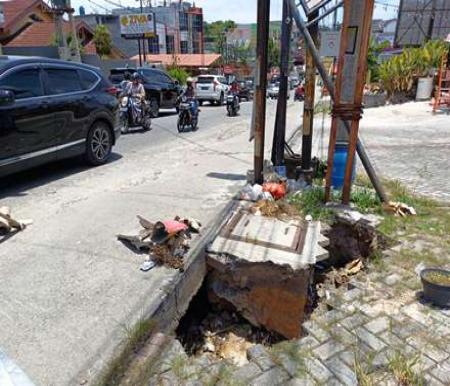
172 306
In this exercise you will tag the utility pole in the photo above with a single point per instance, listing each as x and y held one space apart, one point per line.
308 107
352 64
280 119
263 19
143 37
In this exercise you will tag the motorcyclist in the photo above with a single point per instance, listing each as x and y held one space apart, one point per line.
136 91
190 94
126 81
234 90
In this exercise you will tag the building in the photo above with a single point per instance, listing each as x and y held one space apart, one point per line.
179 29
384 30
28 28
419 21
194 63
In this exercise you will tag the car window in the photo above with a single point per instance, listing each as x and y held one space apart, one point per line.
24 84
205 79
88 79
61 81
150 75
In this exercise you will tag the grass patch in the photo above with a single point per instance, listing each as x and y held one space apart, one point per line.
362 370
311 201
136 335
401 368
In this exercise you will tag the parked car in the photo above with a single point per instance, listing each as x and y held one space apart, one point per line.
273 90
161 90
51 109
246 90
211 88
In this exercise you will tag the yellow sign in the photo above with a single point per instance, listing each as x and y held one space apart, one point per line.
137 24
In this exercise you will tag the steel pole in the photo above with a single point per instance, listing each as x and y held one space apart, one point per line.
261 86
280 119
330 86
308 107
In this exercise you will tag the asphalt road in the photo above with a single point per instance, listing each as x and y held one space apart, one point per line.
68 287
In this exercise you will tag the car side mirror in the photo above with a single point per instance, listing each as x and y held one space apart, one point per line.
6 97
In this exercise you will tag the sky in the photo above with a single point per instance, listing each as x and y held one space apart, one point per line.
241 11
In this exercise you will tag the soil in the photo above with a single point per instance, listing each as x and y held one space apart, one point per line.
439 278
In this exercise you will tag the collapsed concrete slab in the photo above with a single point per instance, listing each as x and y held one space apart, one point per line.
263 267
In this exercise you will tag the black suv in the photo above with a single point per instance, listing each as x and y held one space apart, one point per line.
51 109
161 90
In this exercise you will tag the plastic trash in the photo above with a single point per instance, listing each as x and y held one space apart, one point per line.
251 193
147 265
419 268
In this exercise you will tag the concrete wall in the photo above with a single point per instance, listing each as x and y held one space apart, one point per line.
47 52
106 65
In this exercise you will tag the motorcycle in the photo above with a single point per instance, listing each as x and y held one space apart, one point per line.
233 105
185 115
134 113
299 94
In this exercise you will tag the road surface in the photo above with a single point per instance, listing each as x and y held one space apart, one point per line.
68 287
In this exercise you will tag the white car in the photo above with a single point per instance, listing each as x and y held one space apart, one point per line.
211 88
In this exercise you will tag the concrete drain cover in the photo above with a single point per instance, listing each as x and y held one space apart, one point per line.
261 239
267 232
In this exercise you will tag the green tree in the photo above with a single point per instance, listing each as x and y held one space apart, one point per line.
102 40
179 74
217 32
273 52
375 49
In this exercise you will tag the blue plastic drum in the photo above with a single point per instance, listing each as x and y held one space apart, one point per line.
340 160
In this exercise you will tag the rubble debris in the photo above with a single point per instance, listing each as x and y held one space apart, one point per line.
8 224
166 242
353 236
399 209
270 208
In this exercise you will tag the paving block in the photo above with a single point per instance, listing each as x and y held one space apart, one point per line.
272 377
342 335
317 370
426 347
328 349
343 372
259 355
407 328
442 372
247 372
432 381
415 311
306 381
353 294
308 342
378 325
354 320
370 339
424 363
392 279
316 331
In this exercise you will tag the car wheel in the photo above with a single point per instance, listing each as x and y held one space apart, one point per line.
124 125
98 144
154 107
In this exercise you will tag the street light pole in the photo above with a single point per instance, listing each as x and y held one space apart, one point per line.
280 119
262 38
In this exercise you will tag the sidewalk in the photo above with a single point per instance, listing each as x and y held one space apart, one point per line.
405 142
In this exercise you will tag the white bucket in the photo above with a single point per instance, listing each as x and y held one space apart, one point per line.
424 88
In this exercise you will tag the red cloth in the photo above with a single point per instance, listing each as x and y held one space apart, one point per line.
173 226
277 190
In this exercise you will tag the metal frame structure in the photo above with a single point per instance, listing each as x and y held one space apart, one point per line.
330 86
310 6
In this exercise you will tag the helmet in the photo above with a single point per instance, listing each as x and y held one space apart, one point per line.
189 81
127 76
135 76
